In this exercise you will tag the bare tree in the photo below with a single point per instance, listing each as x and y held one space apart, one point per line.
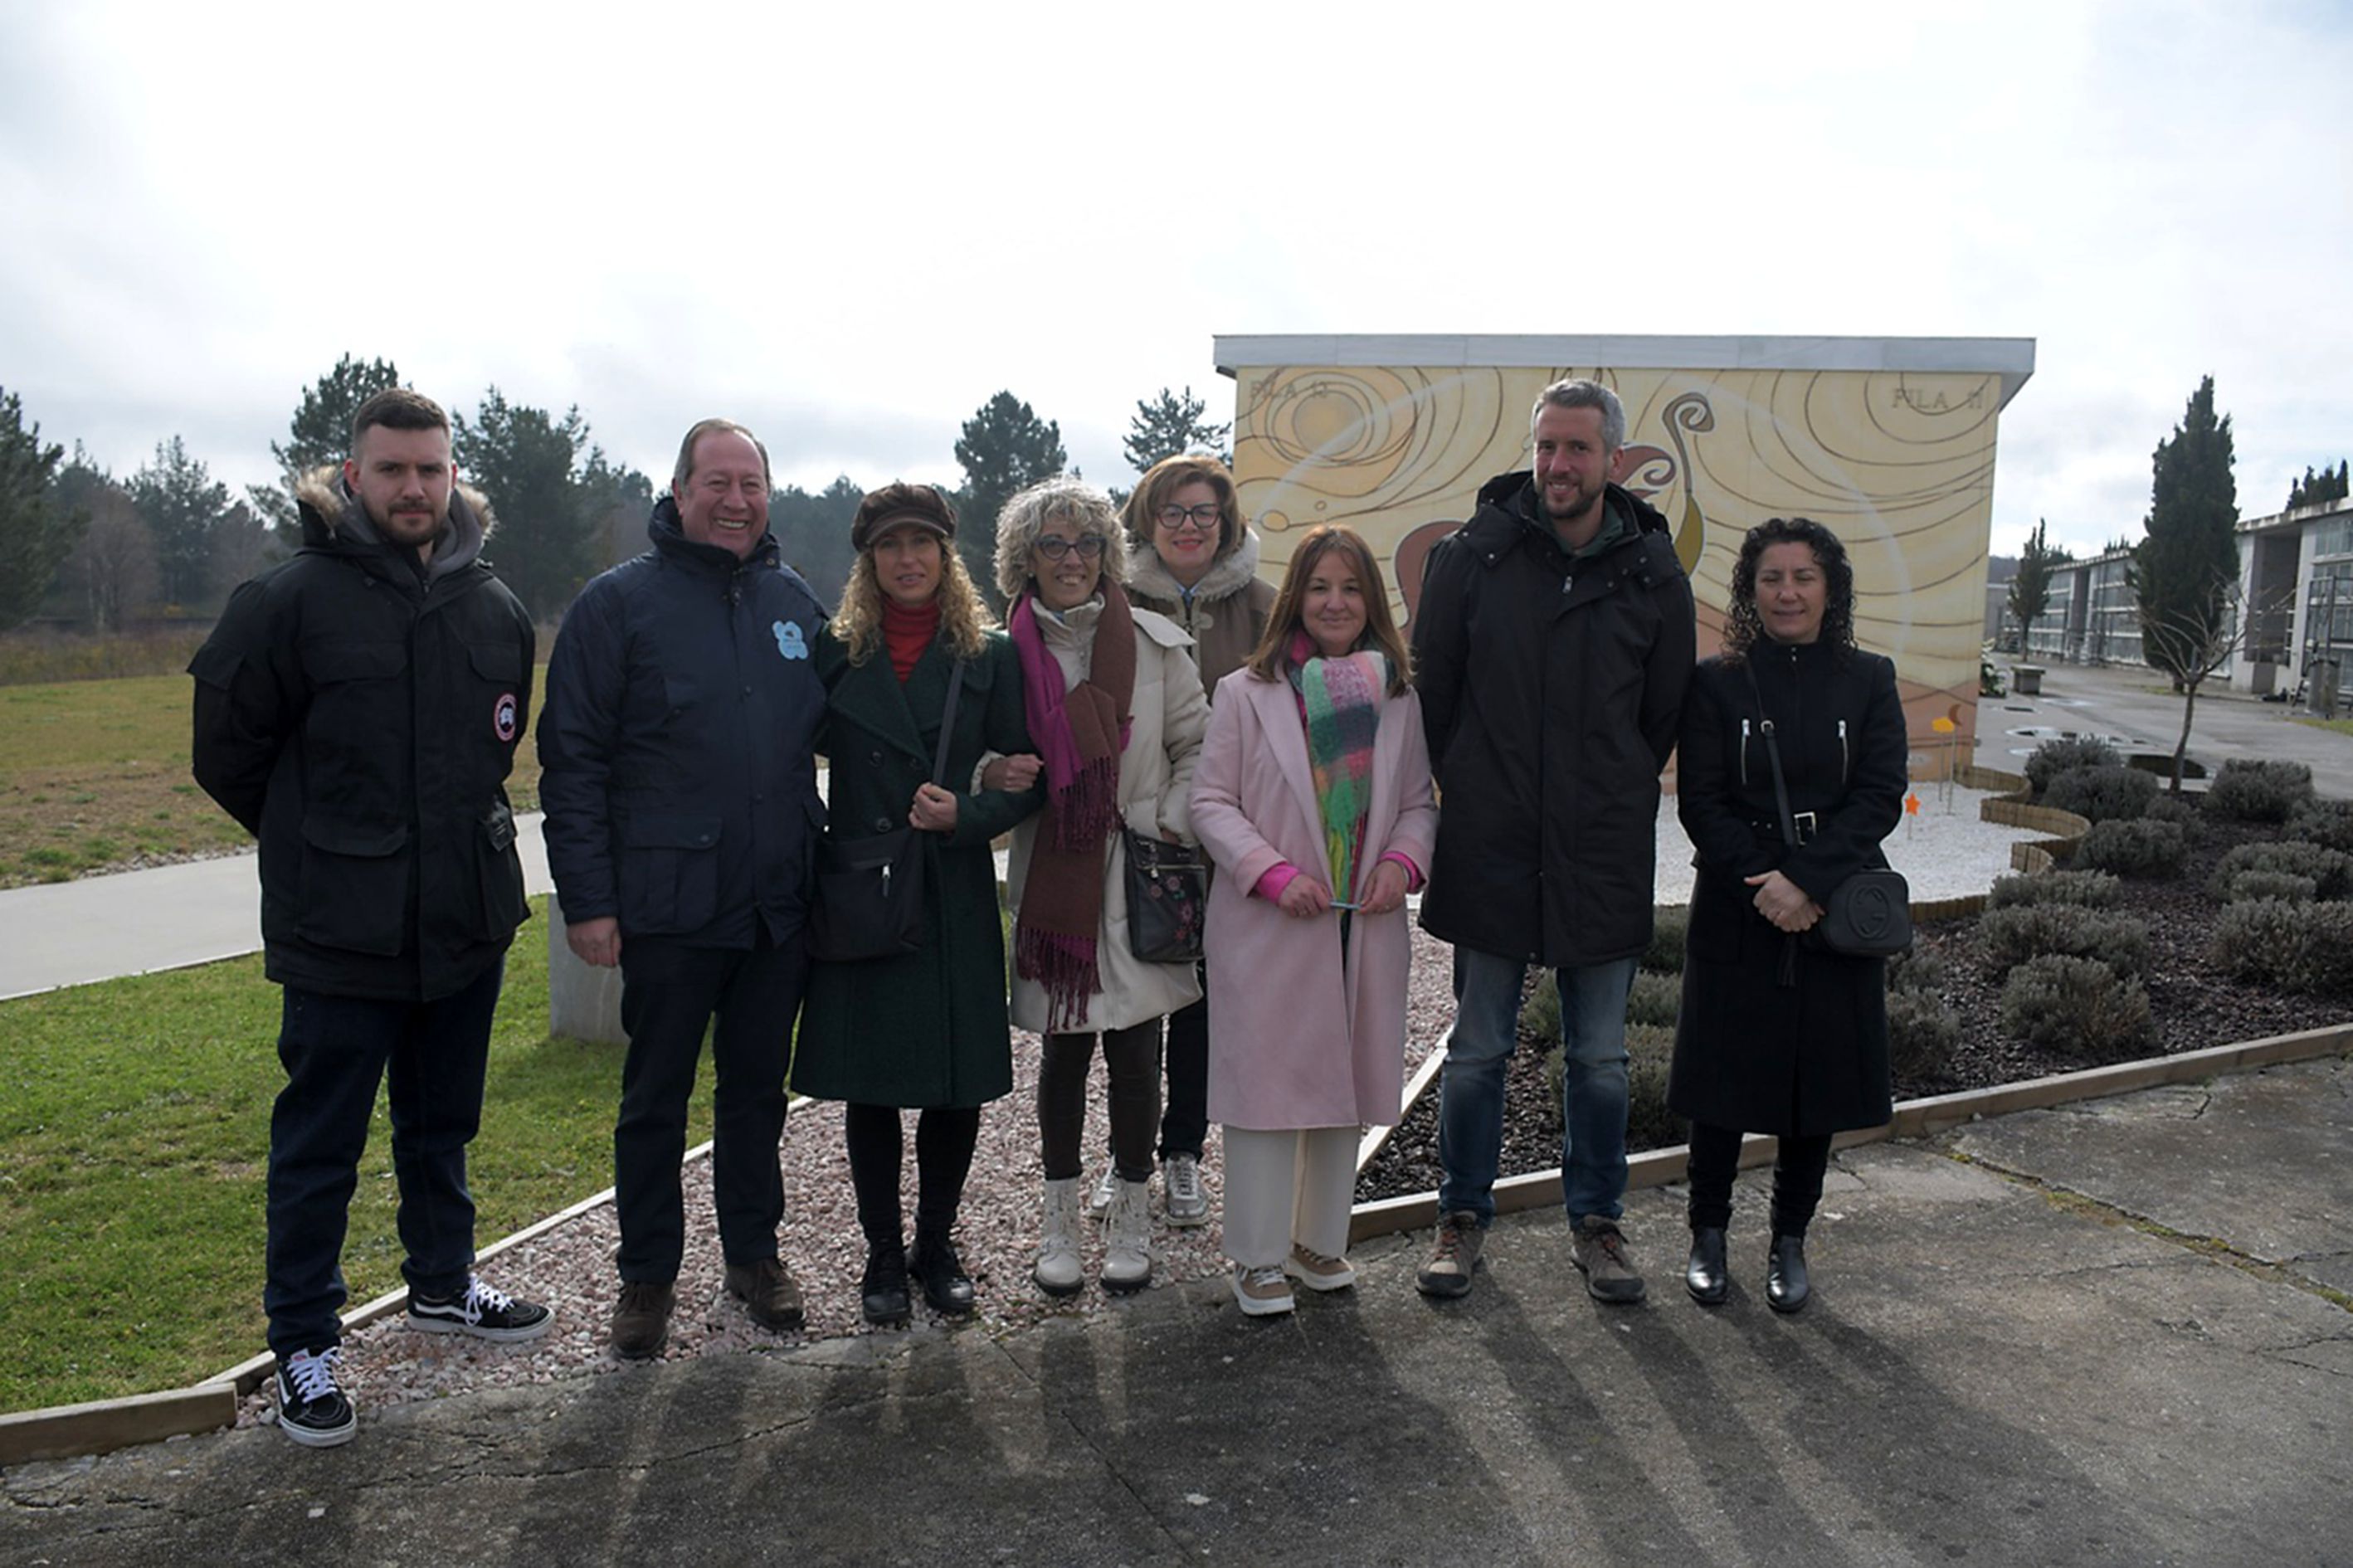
2193 644
115 563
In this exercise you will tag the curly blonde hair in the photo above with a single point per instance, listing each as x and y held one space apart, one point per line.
1025 518
965 621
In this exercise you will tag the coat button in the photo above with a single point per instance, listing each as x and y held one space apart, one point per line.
881 825
875 758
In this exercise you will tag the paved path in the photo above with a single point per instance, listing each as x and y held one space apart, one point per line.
2134 707
2097 1335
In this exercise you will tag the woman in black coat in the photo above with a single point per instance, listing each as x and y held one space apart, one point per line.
1776 1034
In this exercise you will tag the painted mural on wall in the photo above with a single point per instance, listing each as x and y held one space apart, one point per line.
1899 464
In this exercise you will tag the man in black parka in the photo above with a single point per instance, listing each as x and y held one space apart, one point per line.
1552 644
679 773
357 708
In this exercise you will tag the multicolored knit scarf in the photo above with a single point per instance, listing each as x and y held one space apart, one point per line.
1341 699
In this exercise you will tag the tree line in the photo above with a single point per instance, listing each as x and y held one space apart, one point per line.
80 544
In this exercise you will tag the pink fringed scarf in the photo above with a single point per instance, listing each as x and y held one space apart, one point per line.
1080 735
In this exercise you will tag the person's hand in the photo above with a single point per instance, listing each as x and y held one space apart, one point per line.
934 810
1388 892
1014 772
597 942
1784 902
1304 898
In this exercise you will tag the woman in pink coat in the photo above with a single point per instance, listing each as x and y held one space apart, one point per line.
1313 795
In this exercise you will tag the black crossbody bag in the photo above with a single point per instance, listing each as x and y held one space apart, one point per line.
1869 915
869 891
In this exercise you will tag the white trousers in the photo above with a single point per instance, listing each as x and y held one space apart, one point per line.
1282 1188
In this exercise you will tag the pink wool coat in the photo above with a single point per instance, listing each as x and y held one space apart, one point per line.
1301 1034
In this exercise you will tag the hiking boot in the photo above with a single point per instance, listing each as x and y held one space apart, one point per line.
642 1318
883 1292
947 1288
311 1409
1058 1272
1455 1257
485 1311
1127 1238
1317 1271
1181 1178
769 1294
1600 1250
1262 1292
1788 1286
1099 1196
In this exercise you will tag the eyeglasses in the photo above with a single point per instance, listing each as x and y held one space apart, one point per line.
1203 517
1088 546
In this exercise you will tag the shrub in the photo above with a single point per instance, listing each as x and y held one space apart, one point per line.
2103 795
1651 1053
2090 889
2248 885
2328 823
1656 999
2013 936
2179 810
1916 969
2297 947
1668 922
1540 1014
2259 792
1922 1032
2075 1003
2051 758
2331 872
2142 848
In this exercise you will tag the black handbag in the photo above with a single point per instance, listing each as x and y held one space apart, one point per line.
1869 915
869 891
1167 897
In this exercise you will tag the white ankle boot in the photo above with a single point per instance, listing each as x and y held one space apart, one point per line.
1127 1238
1058 1272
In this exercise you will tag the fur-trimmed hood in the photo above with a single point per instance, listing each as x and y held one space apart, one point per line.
330 513
1228 575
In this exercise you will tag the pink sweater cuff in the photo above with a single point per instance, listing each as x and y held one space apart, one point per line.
1269 887
1413 877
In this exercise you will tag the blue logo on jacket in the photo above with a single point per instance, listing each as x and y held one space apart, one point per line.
789 641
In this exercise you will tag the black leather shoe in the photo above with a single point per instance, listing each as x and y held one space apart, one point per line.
884 1288
1706 1276
1787 1287
947 1288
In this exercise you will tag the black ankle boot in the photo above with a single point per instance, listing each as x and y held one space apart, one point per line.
1786 1285
941 1273
884 1288
1706 1276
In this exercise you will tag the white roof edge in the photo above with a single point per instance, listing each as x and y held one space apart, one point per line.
2012 359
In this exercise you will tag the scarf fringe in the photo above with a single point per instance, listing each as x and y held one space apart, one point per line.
1064 965
1086 812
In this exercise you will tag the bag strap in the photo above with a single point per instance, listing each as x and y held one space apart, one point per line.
947 725
1772 756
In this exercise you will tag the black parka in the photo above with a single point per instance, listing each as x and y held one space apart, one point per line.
677 747
1550 689
360 717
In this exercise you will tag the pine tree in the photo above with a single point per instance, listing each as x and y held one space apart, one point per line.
2030 590
36 534
1005 448
181 504
1170 425
2182 574
320 432
525 463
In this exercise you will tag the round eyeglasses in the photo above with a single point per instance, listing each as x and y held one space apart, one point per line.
1088 546
1203 517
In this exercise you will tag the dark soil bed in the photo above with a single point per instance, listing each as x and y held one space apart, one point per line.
2194 1004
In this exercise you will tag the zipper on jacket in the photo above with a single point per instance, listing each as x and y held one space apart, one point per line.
1744 753
1845 765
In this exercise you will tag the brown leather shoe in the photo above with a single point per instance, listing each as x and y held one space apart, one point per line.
769 1294
642 1318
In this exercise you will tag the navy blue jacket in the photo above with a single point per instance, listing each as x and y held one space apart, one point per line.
678 744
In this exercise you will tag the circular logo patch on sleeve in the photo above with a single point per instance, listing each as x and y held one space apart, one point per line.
503 716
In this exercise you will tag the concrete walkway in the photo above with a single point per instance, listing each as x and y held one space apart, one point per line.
2104 1334
2135 708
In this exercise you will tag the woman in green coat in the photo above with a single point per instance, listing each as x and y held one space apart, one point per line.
925 1030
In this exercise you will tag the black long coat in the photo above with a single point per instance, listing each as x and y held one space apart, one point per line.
1751 1053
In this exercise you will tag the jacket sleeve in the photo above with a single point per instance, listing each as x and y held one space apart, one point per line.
579 729
1711 811
1847 836
1219 813
1441 646
1184 718
1415 833
1667 673
248 703
983 814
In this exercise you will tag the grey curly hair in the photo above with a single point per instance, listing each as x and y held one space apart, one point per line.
1025 518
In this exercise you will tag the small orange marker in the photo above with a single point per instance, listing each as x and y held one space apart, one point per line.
1912 804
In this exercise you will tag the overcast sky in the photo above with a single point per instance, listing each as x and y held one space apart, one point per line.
850 229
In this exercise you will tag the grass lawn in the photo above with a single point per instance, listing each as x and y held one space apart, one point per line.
94 777
2342 726
134 1129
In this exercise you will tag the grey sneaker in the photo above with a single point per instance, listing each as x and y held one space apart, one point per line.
1180 1176
1099 1196
1601 1251
1455 1257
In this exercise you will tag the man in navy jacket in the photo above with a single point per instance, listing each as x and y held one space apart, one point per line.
679 775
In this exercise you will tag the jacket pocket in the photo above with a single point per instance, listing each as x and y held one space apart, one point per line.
669 872
354 885
503 903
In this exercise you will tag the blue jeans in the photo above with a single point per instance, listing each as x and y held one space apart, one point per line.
1593 1089
337 1050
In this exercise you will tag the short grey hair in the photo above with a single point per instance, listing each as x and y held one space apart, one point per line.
685 469
1579 393
1025 518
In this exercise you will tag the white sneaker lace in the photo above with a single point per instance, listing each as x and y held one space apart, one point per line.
1183 1176
1265 1280
483 1298
312 1374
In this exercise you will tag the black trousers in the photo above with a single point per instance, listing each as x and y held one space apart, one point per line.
1798 1167
944 1138
1131 1057
1184 1122
669 996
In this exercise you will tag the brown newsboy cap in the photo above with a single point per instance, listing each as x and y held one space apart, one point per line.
899 502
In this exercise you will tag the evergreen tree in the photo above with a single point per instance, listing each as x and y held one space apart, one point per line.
1169 425
813 531
617 500
1005 448
2030 590
2319 490
2182 575
36 534
526 463
320 432
181 504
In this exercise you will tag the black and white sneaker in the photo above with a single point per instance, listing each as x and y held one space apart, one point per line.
484 1311
310 1409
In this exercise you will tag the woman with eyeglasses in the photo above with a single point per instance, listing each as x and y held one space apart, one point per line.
1115 712
1194 560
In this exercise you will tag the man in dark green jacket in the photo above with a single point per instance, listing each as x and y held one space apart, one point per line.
357 708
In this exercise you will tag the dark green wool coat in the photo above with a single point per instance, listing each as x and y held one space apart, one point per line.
927 1028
